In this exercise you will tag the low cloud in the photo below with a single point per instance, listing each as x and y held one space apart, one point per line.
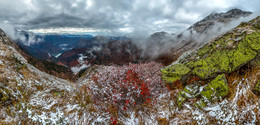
115 16
173 42
19 36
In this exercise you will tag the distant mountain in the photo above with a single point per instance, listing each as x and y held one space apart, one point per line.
80 51
45 65
52 45
105 51
213 18
171 47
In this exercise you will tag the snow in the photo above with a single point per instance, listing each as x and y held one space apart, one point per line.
2 53
41 106
76 69
58 55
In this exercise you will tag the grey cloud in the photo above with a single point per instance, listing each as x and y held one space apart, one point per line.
138 15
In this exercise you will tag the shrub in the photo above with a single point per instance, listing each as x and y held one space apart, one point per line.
125 87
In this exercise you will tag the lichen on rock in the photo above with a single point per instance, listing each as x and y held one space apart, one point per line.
256 90
253 40
241 55
189 92
174 72
216 88
216 63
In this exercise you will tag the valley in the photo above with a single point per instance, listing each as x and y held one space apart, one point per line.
207 74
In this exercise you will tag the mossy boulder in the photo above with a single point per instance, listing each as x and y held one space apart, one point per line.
241 55
256 90
217 88
175 72
189 92
222 59
208 67
224 54
253 40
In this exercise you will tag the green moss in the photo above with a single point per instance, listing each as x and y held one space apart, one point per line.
243 24
174 72
216 88
225 60
180 100
204 50
170 79
189 92
201 103
222 41
210 66
256 25
241 55
256 90
254 40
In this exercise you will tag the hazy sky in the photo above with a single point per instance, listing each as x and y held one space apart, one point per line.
113 16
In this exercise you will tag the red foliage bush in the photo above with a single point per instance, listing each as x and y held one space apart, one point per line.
127 86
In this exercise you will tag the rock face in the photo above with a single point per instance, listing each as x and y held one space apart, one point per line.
217 88
222 55
174 73
213 18
213 91
24 89
189 92
195 36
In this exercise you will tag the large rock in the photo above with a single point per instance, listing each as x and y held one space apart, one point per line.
174 72
189 92
224 54
217 88
254 40
223 59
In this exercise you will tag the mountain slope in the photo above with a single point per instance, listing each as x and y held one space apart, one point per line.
214 18
25 92
171 47
223 74
135 93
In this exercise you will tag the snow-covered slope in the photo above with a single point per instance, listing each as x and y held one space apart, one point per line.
130 94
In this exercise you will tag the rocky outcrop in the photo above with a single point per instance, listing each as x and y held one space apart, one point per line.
213 91
213 18
195 36
222 55
174 73
217 87
189 92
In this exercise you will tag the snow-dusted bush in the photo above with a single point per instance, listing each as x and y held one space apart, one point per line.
120 88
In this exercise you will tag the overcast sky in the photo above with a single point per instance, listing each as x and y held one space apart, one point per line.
113 16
